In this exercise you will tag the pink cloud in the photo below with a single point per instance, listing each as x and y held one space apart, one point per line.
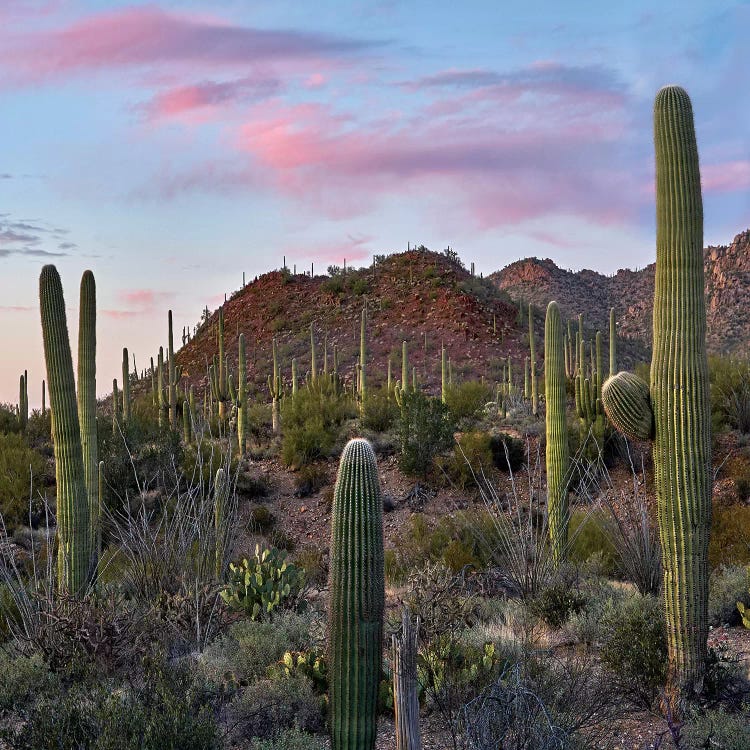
145 36
144 297
726 177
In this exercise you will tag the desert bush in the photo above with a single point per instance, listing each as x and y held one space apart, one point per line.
261 519
312 560
310 479
588 625
263 584
718 729
730 393
380 411
728 585
508 452
426 430
253 487
559 600
472 459
265 708
588 532
634 647
9 423
465 401
312 423
24 679
290 739
729 543
250 647
22 473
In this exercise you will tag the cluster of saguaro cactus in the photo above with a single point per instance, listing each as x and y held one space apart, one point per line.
679 395
558 460
357 599
75 555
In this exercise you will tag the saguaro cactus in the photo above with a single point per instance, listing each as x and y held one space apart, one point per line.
242 397
404 366
125 386
679 394
558 461
75 541
87 395
357 599
274 388
172 385
443 374
532 361
363 358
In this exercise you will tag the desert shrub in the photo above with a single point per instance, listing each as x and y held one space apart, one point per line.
730 393
249 648
558 600
472 458
586 625
267 707
312 560
333 285
728 585
261 520
359 286
310 479
252 487
634 647
39 432
24 678
312 423
465 401
21 468
589 537
169 706
259 420
426 430
508 453
290 739
380 411
201 461
264 583
9 419
729 542
718 729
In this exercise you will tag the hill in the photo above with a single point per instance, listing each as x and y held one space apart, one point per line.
727 269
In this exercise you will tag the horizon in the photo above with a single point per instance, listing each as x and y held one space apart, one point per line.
159 145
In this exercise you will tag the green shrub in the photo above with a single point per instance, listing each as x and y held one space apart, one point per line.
19 467
250 647
263 584
312 423
472 459
728 585
426 430
730 393
508 453
729 543
718 729
291 739
310 479
261 520
8 419
465 401
380 411
24 679
589 537
557 602
312 560
267 707
634 647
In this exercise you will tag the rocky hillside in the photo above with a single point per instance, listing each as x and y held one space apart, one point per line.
421 297
631 294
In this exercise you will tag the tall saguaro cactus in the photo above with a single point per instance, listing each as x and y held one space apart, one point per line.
357 599
75 541
363 357
558 460
274 388
242 397
172 385
87 395
679 394
532 351
125 386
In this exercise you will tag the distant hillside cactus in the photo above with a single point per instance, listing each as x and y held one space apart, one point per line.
558 460
357 599
75 540
23 401
443 374
241 401
404 366
679 395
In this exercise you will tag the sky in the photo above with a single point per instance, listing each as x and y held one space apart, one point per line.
172 146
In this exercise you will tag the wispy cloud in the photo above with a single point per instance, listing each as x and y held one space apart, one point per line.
29 238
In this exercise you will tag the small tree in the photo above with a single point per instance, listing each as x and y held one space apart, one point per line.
426 430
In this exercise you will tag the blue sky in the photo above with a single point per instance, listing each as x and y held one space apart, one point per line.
171 146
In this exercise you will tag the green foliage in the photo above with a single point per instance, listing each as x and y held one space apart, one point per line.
9 419
313 422
718 729
265 583
312 560
262 520
472 457
730 536
24 678
589 538
730 393
508 452
290 739
379 411
557 602
728 585
634 647
20 469
309 663
426 429
465 401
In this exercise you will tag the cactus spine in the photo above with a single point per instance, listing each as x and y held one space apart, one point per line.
73 518
357 599
679 392
557 432
87 396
